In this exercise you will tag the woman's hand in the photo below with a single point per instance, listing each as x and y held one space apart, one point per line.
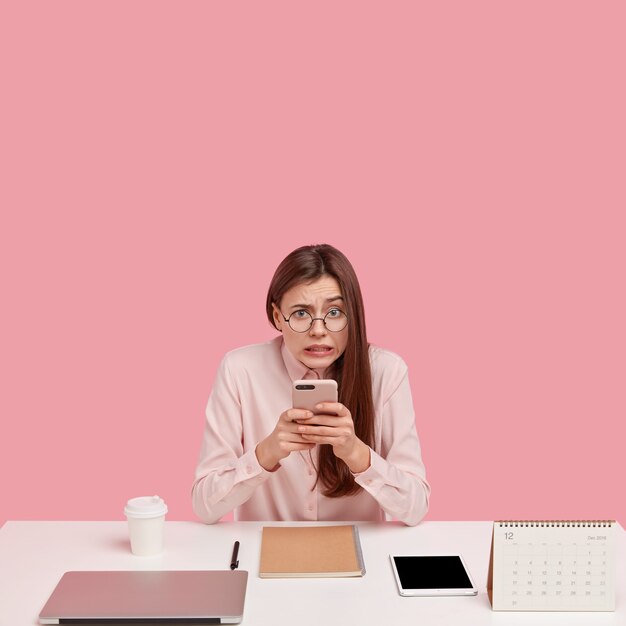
284 439
333 425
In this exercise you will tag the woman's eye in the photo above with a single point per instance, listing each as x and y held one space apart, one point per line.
334 313
301 313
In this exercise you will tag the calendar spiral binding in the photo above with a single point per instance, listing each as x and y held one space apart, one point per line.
555 523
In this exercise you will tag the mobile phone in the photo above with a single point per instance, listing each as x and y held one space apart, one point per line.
307 393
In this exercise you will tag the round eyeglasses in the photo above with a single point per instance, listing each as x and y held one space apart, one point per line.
301 320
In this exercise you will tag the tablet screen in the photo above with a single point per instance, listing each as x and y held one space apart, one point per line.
431 572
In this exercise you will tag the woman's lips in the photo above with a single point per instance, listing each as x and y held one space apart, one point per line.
318 350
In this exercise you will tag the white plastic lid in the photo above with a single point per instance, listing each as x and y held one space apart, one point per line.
145 507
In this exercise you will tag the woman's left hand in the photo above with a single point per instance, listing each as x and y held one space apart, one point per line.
333 425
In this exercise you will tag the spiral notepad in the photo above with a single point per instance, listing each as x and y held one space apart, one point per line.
552 565
311 552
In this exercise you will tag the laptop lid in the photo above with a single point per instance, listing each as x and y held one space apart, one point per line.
136 597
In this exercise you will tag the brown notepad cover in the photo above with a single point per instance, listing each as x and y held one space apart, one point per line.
310 551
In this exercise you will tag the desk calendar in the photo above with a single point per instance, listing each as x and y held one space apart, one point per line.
552 566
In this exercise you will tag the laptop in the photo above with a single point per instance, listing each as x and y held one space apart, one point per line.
147 597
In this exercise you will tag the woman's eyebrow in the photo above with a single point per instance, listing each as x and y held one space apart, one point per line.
308 306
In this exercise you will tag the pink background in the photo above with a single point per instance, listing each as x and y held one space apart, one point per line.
159 160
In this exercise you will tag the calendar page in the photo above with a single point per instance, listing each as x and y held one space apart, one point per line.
552 566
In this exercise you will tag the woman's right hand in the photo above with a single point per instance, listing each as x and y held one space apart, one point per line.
284 439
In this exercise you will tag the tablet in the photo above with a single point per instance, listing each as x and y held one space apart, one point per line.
432 575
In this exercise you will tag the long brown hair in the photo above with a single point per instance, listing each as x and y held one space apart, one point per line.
352 369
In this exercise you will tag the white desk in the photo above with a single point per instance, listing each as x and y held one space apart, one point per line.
34 555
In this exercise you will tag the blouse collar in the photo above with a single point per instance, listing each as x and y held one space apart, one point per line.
296 369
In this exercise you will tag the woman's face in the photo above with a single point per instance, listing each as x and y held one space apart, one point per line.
317 347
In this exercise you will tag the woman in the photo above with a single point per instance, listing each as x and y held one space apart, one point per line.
357 459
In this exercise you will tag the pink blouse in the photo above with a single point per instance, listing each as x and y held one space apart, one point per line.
252 389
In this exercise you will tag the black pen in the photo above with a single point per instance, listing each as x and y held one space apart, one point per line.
234 563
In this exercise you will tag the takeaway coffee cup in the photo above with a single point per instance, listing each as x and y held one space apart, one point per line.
146 518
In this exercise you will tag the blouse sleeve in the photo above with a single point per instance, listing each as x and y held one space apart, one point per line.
396 477
225 476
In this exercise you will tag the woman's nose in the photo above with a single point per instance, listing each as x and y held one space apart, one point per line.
318 327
